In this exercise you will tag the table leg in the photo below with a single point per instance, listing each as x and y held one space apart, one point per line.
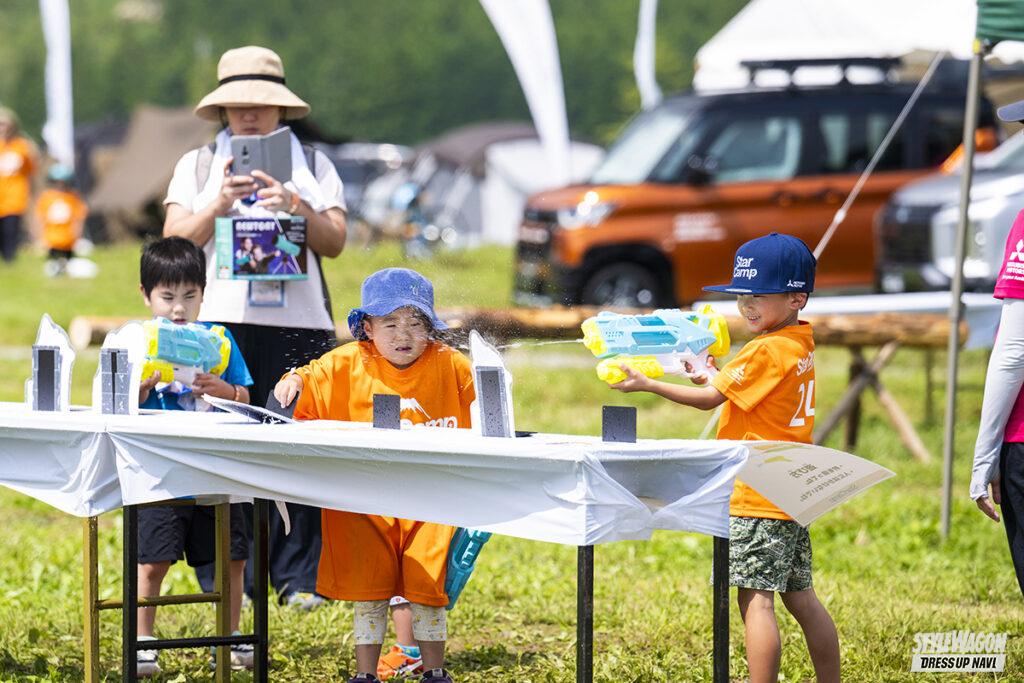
585 614
90 596
130 597
222 564
720 579
261 540
857 368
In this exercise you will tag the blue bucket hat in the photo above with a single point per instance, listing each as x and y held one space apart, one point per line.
773 264
390 289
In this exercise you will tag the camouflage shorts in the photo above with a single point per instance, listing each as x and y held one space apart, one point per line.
769 554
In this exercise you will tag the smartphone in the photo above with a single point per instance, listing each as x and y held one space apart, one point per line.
271 154
247 151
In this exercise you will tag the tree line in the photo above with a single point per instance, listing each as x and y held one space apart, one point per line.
392 71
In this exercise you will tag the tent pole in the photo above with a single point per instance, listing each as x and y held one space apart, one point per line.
957 286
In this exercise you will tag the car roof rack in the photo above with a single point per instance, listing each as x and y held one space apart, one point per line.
883 64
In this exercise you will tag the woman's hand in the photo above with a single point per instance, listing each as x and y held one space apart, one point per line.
986 505
233 187
275 196
287 389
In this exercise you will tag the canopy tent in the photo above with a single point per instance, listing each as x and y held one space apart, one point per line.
811 29
997 21
477 178
156 139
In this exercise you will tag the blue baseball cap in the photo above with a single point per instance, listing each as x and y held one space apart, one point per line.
773 264
390 289
1012 112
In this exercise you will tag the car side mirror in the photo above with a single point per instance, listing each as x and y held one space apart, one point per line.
700 170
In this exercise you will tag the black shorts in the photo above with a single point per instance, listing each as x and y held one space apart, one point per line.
168 533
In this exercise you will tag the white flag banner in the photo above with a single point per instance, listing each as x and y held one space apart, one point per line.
806 481
59 130
643 55
528 34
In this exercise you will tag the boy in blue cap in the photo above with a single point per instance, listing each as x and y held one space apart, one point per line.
768 392
368 559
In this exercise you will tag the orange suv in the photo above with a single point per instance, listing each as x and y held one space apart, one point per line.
689 181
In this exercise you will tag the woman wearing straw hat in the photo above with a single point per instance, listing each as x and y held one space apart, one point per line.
277 324
17 163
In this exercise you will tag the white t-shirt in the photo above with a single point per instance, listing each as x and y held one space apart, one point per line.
227 301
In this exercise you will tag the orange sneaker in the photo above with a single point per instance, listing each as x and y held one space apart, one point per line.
396 665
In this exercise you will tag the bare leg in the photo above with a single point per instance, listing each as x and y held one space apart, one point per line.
402 616
151 576
237 573
819 630
366 658
433 654
764 647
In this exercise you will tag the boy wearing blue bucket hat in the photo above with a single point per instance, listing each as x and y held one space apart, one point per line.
768 392
368 559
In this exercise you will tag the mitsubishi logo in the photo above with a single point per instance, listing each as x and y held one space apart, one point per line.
1018 253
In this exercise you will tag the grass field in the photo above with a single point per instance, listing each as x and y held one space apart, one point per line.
880 564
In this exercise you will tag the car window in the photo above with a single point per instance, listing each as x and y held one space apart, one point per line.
766 148
635 156
849 139
1008 156
943 133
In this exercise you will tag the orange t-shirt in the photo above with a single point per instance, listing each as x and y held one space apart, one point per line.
61 213
770 390
17 163
371 557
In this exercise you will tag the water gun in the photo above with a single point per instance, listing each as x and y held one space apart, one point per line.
180 352
655 344
462 553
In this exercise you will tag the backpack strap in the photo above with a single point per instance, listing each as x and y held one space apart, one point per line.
310 153
204 160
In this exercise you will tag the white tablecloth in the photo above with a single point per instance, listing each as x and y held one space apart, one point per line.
63 459
573 490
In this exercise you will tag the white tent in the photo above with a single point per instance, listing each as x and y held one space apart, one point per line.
476 179
514 170
813 29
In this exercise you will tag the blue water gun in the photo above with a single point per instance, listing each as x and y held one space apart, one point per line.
664 341
180 352
462 553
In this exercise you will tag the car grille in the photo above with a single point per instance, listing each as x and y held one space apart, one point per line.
905 234
537 216
534 220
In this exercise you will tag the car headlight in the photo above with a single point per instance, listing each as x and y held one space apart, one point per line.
587 214
980 226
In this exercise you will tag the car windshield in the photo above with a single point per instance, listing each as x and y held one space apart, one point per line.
1009 156
645 142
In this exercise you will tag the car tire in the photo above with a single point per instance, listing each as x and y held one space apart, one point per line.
623 284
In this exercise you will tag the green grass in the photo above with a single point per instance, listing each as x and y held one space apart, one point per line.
880 564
